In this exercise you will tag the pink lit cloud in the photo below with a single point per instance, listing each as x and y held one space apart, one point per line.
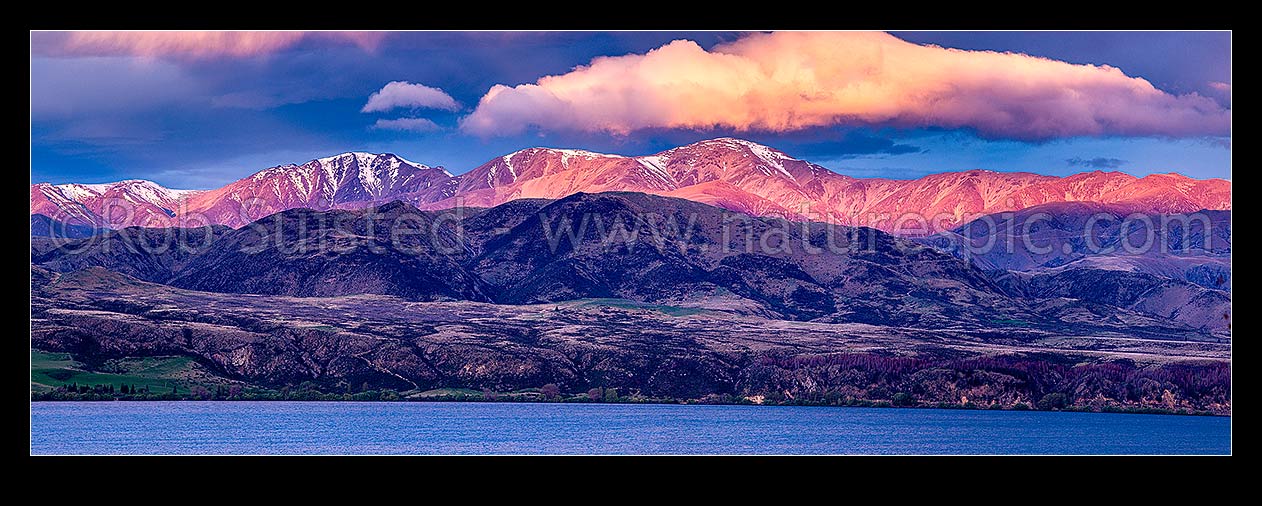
188 44
788 81
404 94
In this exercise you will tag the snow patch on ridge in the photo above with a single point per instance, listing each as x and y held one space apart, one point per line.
507 162
79 191
656 166
567 154
771 158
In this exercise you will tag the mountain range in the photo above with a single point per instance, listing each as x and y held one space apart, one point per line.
728 173
361 274
1058 237
532 251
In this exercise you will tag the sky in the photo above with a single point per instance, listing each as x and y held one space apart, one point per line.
199 110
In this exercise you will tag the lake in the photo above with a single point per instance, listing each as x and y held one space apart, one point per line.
506 428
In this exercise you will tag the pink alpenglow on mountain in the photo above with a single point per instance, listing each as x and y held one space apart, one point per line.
345 181
733 174
133 202
751 178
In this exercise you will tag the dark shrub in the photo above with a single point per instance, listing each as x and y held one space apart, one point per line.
1054 400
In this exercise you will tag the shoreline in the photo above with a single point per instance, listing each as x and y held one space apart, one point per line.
862 404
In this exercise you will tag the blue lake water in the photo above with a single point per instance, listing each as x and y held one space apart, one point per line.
503 428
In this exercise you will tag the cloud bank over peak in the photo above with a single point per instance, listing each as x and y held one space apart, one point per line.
790 81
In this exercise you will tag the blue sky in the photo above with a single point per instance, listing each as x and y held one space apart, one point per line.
104 110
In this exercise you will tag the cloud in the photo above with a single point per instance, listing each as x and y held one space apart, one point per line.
188 44
407 124
404 94
107 132
1096 163
789 81
118 86
1221 91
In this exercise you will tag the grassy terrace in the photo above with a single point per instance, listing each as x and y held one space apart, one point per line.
159 374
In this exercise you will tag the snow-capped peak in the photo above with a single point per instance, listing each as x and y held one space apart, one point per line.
772 159
360 157
80 191
583 153
142 189
365 159
351 176
734 142
567 154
